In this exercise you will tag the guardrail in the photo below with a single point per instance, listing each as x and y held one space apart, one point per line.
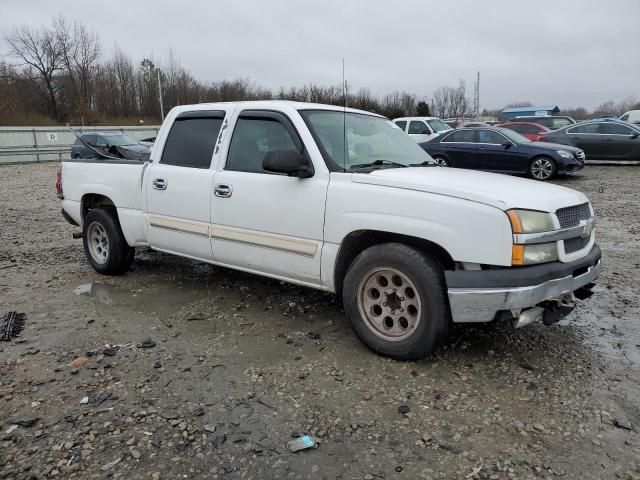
45 144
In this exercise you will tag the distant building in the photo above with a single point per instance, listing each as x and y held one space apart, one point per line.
529 111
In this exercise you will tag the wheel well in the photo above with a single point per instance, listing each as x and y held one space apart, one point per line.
358 241
94 200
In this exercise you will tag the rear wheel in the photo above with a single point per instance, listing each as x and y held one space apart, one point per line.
542 168
441 161
394 298
104 243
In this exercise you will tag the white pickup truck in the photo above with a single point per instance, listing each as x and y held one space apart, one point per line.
340 200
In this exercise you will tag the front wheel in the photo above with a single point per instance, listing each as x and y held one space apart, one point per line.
441 161
394 298
104 243
542 168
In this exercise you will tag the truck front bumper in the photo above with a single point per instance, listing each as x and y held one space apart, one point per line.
480 295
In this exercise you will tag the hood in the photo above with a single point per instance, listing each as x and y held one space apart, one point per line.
500 191
554 146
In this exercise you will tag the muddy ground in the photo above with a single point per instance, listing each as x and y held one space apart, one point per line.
238 364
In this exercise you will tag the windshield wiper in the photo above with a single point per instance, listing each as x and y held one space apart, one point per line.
426 163
378 163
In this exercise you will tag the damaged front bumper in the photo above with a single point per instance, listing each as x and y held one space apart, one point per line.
539 292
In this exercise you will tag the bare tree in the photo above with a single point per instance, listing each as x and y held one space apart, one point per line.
40 56
451 102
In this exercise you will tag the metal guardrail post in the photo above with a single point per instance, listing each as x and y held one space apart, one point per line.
35 144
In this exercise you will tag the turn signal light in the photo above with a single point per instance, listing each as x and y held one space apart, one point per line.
517 254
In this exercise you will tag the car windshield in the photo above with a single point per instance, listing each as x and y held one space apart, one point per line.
438 125
560 123
371 142
120 140
514 136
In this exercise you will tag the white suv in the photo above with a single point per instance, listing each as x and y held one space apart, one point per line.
421 129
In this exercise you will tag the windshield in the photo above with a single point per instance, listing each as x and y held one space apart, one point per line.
438 125
120 140
368 139
514 136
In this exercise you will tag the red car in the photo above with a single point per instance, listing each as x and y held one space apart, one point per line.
532 131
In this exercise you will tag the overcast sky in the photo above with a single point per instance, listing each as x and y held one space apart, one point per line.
565 52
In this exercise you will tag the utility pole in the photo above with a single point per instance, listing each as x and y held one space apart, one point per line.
160 95
476 97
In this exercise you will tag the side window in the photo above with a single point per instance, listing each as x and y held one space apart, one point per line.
527 129
625 117
517 128
191 139
461 136
253 138
402 124
487 136
101 141
615 129
418 127
589 128
90 139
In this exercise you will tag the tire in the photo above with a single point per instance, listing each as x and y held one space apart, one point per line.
542 168
418 297
104 244
441 161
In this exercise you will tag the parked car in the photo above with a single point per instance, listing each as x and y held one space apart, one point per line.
268 188
505 151
552 122
532 131
456 122
607 140
421 129
111 144
632 116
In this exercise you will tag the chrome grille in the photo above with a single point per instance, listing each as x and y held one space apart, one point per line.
571 216
574 244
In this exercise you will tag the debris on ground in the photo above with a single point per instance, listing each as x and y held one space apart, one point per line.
24 421
148 343
301 443
78 362
12 325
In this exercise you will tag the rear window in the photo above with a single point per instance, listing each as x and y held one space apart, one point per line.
191 140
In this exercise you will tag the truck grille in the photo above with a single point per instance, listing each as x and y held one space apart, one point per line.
571 216
574 244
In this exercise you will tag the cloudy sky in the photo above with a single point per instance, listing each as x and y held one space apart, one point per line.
567 52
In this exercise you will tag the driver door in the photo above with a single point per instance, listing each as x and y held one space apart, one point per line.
265 222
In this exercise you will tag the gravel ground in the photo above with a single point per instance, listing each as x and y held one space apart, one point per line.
194 371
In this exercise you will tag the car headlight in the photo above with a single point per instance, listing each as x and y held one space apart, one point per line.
531 221
534 254
564 154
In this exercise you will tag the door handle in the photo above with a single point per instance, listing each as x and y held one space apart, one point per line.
222 190
159 184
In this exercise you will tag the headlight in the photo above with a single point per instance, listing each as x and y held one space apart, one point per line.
564 154
530 221
533 254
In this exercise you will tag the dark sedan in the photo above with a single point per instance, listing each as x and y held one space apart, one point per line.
504 151
606 140
112 144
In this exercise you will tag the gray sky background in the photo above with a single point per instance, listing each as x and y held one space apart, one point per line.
567 52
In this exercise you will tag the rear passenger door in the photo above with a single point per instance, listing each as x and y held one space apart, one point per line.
588 137
460 147
265 222
179 186
619 141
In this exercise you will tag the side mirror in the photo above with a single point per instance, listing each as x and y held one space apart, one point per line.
289 162
506 145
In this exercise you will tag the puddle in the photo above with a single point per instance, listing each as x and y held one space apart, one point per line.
146 301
